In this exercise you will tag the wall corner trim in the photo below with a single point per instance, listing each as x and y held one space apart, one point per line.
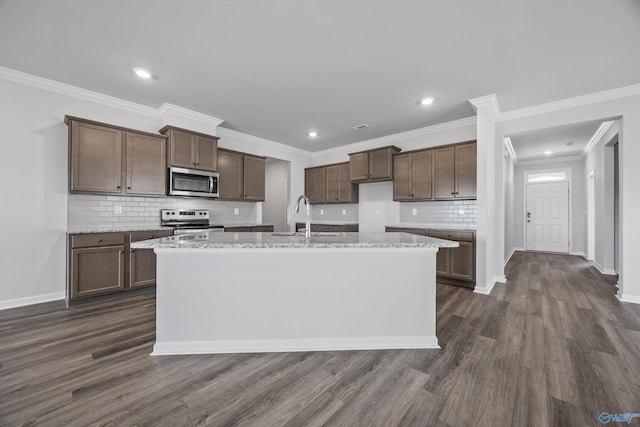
490 101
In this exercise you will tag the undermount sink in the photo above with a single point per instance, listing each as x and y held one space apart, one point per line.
301 233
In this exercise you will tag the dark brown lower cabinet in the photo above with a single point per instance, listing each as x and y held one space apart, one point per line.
453 265
104 263
329 228
250 229
142 262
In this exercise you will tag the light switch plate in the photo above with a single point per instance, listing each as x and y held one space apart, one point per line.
414 212
321 211
236 211
377 211
117 209
344 211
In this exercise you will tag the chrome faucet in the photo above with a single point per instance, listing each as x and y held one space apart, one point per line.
307 231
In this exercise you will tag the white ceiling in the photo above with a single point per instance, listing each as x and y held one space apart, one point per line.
277 69
562 141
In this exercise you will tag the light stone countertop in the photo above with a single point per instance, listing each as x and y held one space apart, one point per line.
436 226
329 222
295 240
117 230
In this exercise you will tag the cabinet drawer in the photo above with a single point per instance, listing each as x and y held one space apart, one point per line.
455 235
96 239
262 229
136 236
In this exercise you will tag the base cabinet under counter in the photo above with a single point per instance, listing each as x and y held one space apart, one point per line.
329 228
455 266
104 263
250 229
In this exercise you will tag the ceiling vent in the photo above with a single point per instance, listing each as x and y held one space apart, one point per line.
360 127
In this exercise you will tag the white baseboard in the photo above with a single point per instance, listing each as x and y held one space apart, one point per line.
629 298
604 270
582 254
21 302
291 345
513 251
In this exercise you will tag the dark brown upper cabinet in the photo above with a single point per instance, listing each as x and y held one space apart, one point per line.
339 188
412 176
193 150
372 165
454 171
103 157
241 176
315 184
330 184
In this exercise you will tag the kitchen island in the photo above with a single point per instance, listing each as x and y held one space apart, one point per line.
265 292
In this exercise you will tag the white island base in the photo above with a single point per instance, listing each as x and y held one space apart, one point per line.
245 300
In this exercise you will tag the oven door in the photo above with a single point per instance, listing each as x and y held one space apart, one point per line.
191 182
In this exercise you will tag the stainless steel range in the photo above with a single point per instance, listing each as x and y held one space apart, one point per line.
188 220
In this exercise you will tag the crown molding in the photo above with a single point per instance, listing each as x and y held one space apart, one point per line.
76 92
261 141
597 136
174 115
577 101
390 139
550 160
488 101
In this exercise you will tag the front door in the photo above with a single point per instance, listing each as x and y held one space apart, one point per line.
547 217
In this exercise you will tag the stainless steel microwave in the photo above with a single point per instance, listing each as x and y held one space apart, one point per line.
192 182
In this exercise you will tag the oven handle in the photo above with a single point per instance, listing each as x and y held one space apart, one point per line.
210 184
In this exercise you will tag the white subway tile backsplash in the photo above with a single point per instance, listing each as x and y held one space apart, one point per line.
439 212
97 212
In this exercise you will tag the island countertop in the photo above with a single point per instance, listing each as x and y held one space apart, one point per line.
295 240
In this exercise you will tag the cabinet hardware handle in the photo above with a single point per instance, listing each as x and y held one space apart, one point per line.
118 186
99 240
128 188
133 250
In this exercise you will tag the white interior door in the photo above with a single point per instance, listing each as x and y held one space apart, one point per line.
547 217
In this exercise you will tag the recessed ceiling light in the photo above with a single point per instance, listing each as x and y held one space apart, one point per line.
548 152
142 73
427 101
312 134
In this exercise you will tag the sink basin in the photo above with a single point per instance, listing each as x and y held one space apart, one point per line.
301 234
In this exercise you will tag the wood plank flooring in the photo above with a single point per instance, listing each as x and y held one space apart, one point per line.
552 347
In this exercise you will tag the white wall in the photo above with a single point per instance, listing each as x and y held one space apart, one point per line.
578 202
275 208
33 173
600 161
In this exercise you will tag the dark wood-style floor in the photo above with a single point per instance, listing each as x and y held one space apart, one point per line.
552 347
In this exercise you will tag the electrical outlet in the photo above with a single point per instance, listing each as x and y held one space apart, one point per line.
117 209
321 211
377 211
344 211
414 212
236 211
462 212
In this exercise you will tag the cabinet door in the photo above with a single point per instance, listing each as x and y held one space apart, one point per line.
359 163
97 270
347 192
421 185
466 161
230 168
443 173
254 178
142 268
96 159
146 165
442 262
182 149
310 184
262 229
380 164
320 178
207 153
402 177
461 264
332 191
